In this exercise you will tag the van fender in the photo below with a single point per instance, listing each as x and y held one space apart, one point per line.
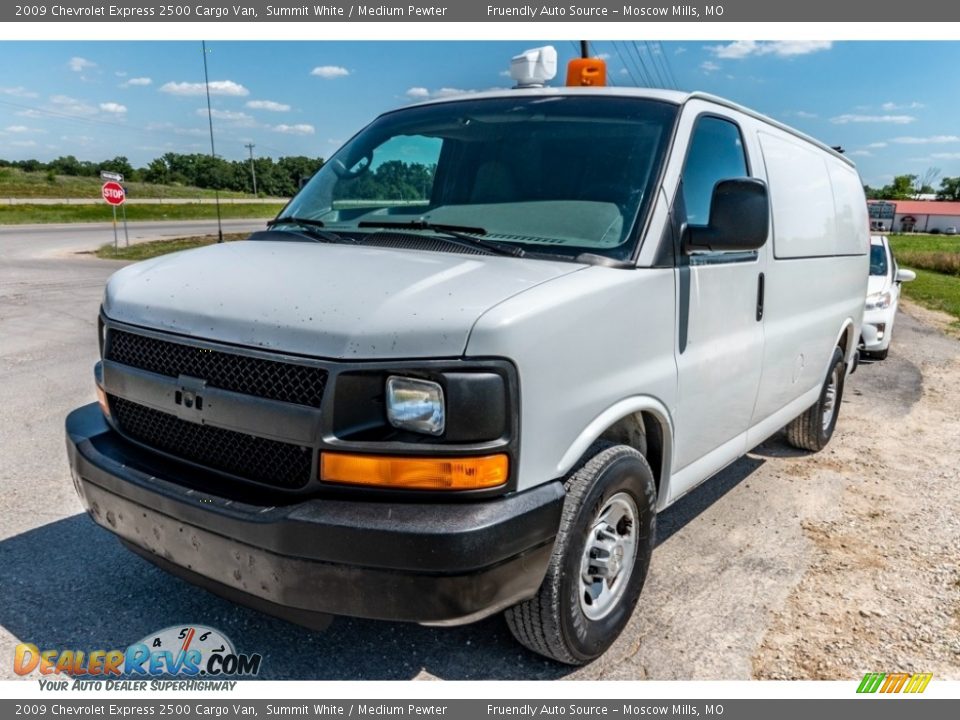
613 414
849 329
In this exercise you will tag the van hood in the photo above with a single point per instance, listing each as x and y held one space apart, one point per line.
878 283
333 301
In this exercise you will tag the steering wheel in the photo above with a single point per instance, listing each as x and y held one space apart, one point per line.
358 168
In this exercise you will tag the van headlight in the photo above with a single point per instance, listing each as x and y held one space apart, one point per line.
879 301
415 405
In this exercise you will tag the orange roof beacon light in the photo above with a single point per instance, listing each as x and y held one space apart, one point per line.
533 68
586 72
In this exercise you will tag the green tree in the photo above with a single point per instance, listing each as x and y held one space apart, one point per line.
949 189
902 188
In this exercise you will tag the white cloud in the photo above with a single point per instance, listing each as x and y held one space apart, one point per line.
18 91
854 118
680 50
112 107
138 82
421 93
861 153
805 115
79 64
300 129
329 71
23 143
709 66
120 73
781 48
603 56
71 106
888 106
267 105
18 129
933 139
946 156
877 145
217 87
232 116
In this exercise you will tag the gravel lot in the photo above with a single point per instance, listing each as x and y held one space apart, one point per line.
783 566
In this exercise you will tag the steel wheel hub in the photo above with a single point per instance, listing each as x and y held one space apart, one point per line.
608 556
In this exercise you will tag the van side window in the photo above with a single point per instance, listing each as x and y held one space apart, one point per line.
716 153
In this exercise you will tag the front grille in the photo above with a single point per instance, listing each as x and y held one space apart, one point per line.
272 379
266 461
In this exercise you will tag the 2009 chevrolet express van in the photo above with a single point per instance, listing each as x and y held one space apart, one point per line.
475 356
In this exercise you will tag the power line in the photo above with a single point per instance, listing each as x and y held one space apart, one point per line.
666 60
651 82
653 61
625 65
657 49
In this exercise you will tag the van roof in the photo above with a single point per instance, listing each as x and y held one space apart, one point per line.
676 97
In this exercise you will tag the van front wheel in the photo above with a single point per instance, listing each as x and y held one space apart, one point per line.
599 562
813 430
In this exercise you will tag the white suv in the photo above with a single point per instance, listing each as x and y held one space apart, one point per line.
883 297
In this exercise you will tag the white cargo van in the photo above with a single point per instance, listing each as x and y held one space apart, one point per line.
475 356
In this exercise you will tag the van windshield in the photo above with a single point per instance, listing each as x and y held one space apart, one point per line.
550 174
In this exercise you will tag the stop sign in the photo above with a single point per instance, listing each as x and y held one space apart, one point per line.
113 193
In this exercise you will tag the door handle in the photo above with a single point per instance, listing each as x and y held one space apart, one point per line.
760 289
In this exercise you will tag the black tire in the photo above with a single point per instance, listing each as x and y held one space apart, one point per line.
811 431
553 623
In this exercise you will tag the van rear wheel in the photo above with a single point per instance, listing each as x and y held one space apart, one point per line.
813 429
599 562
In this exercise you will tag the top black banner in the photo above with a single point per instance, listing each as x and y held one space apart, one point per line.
478 11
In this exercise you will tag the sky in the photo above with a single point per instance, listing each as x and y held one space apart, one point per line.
893 106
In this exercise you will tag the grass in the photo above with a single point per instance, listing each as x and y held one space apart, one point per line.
147 250
16 183
924 243
936 260
21 214
937 292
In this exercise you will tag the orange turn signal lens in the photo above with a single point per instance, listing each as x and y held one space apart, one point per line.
415 473
102 400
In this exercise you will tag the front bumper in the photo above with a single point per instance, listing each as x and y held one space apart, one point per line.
432 563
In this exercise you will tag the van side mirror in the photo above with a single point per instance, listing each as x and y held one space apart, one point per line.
739 218
905 276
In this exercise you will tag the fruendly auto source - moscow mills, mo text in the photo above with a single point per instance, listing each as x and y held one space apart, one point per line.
343 11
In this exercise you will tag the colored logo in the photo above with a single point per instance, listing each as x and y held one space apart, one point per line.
894 682
179 650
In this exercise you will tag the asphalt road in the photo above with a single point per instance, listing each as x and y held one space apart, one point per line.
728 556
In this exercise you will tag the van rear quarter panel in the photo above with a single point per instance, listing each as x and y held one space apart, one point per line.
817 275
582 344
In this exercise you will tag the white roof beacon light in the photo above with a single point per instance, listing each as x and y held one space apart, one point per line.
533 68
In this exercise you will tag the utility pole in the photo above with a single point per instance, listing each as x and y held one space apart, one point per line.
253 170
213 151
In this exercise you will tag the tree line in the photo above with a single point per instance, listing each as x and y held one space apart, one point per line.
275 178
909 187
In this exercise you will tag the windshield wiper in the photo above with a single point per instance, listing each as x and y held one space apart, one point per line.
314 228
462 235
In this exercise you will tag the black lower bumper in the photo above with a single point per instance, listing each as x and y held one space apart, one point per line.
431 563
